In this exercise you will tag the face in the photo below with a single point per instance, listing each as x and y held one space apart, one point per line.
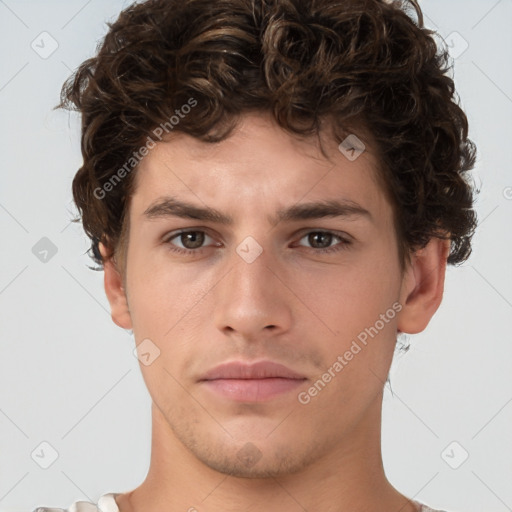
315 289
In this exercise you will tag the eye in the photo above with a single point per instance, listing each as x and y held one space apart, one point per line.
321 241
191 241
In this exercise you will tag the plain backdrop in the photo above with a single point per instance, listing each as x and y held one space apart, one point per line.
71 394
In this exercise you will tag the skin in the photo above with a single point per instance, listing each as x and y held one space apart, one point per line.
292 304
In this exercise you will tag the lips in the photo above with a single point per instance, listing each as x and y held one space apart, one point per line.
257 382
260 370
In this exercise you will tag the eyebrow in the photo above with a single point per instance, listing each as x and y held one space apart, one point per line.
171 207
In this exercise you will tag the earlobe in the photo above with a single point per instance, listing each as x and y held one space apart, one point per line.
115 291
423 286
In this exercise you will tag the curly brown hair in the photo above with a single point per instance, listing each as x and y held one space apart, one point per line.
369 67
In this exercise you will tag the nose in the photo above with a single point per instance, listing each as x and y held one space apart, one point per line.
252 300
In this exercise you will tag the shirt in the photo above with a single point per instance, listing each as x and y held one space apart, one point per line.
107 503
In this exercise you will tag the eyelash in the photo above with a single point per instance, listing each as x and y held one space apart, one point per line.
339 247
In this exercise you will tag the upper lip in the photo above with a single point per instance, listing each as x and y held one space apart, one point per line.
244 370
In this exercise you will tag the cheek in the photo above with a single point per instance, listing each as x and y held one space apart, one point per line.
347 299
165 303
358 355
355 308
163 293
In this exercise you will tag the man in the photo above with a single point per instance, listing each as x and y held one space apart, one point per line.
274 190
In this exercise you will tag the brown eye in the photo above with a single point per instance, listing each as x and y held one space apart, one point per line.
192 239
320 239
189 242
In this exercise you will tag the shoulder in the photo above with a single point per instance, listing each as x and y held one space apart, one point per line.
78 506
425 508
106 503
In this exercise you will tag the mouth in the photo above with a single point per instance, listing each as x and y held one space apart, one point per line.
252 390
256 382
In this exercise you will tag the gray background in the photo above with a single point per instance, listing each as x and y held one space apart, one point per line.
68 376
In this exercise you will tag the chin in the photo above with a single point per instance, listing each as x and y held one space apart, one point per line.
254 459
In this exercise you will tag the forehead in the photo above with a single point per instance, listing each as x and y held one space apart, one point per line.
258 168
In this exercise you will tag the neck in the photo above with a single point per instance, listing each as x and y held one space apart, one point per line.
349 477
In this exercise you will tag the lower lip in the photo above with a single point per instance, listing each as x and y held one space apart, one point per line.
253 390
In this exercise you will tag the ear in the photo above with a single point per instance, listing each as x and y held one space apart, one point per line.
115 291
422 286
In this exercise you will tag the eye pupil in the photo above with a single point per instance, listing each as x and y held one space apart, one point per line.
324 239
196 239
